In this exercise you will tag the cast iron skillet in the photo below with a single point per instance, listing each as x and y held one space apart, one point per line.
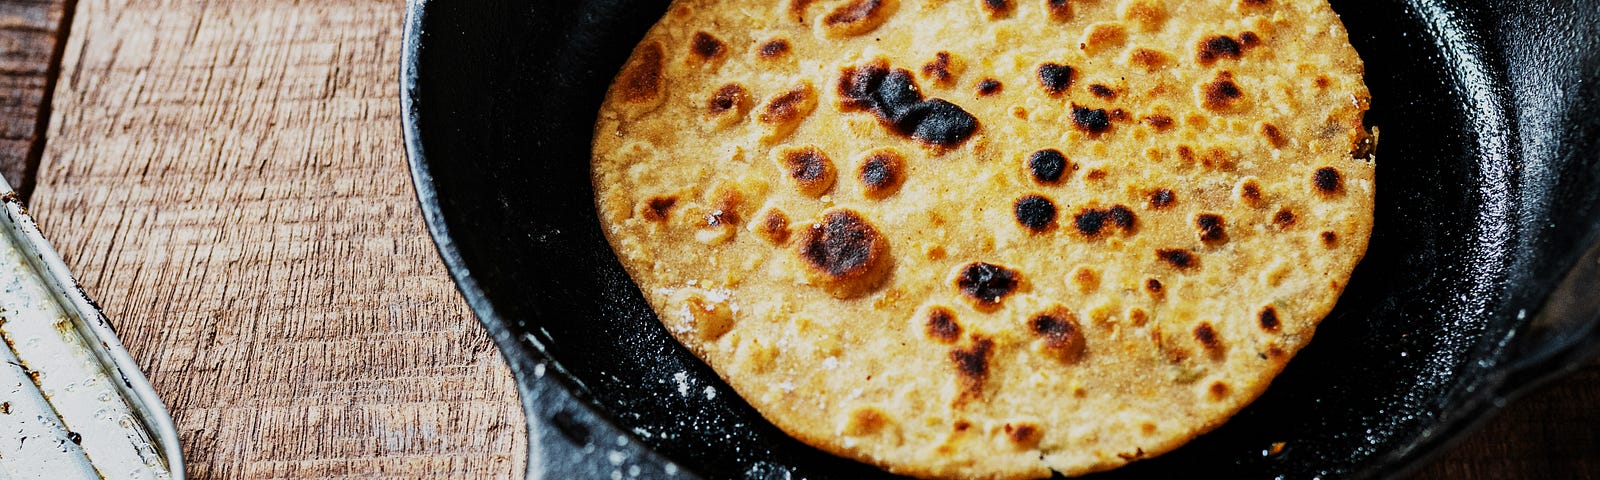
1483 276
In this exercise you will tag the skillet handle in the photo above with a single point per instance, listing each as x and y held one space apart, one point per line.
568 440
1564 333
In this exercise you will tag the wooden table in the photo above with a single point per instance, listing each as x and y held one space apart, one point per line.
227 178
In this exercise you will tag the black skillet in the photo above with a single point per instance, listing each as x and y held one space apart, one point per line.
1483 276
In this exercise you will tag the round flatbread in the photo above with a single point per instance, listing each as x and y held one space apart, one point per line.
990 238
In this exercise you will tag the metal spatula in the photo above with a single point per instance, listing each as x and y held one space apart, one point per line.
73 405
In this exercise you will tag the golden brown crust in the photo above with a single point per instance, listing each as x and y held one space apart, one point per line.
640 82
923 289
857 17
784 111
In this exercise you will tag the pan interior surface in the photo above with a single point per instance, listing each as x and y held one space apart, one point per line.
1487 197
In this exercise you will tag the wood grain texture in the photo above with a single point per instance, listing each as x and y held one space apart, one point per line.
30 31
1553 433
228 179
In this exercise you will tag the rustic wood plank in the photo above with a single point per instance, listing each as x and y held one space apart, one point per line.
1552 433
30 34
227 177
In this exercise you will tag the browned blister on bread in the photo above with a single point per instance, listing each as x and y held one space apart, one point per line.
857 17
843 253
990 238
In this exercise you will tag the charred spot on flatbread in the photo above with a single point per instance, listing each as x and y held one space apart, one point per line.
1059 333
857 17
1268 318
972 368
1327 180
1178 258
706 47
881 172
844 253
1047 166
1034 212
1054 78
811 171
773 49
987 284
1090 120
941 324
894 98
1212 227
989 87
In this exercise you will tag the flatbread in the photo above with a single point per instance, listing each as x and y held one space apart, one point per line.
990 238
